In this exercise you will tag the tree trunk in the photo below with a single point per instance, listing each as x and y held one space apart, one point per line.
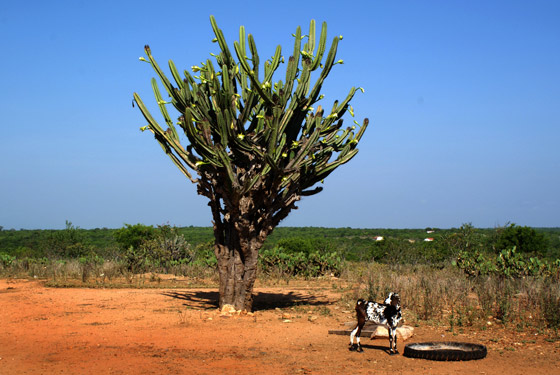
237 268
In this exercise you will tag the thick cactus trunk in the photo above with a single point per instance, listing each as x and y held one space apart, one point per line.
237 273
237 247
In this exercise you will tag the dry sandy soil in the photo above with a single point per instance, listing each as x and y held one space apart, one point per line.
179 331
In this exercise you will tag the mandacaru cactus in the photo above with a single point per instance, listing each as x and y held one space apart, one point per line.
254 147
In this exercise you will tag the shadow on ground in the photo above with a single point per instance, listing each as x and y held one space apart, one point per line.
376 347
263 301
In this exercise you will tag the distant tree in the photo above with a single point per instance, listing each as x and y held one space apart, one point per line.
465 238
257 147
525 239
68 243
132 236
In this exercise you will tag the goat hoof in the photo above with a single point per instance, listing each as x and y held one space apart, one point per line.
352 348
360 349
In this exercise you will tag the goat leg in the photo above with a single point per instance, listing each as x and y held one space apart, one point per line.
356 333
393 340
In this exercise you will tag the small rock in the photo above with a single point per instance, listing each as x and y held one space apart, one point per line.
405 332
312 318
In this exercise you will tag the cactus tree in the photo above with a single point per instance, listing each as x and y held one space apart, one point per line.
253 147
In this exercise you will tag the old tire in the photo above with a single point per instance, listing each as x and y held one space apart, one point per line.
445 351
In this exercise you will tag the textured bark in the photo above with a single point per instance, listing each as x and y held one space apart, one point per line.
241 225
237 277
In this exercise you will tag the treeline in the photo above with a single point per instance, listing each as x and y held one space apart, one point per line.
385 245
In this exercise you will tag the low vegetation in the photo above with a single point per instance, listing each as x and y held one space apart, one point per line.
458 277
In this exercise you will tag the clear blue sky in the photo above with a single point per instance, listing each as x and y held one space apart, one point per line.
463 99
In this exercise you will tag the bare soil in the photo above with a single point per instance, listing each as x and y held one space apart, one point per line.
180 331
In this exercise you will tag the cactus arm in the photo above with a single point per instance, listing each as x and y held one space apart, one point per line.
255 83
228 58
321 47
161 103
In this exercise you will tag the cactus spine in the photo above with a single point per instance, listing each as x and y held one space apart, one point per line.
255 146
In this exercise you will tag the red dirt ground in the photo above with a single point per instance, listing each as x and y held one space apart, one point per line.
179 331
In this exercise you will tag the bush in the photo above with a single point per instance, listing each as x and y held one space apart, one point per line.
508 263
161 249
474 264
166 246
68 243
305 245
299 264
6 260
524 239
133 236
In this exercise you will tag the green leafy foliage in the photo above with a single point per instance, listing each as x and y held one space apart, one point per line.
132 236
508 263
400 246
6 260
300 263
68 243
524 239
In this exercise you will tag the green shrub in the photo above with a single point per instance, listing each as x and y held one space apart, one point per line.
27 252
305 245
508 263
6 260
524 239
299 263
133 236
68 243
474 264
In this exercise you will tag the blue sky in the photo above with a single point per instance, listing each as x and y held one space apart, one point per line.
463 99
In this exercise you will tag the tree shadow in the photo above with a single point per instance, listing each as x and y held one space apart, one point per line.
208 300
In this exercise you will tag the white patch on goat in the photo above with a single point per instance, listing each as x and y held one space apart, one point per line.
389 298
352 334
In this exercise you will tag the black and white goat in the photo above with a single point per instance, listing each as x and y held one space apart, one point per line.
388 313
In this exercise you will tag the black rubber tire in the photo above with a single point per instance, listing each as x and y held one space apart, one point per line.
445 351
